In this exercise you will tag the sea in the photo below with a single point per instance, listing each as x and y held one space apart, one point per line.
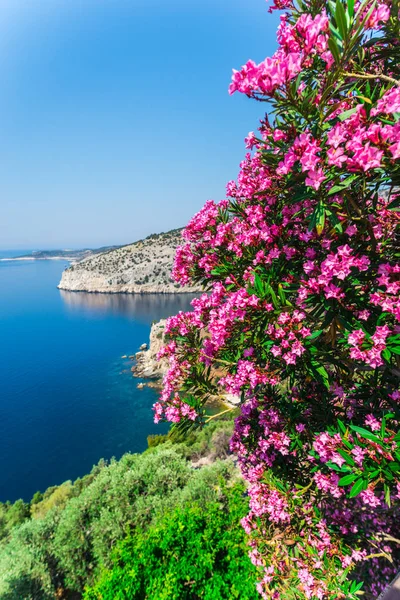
67 395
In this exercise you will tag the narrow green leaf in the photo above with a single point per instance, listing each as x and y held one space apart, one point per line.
365 433
347 479
335 467
346 114
346 457
258 284
383 426
387 494
357 488
320 218
394 466
334 48
314 335
333 219
346 182
273 296
350 8
340 17
395 204
281 294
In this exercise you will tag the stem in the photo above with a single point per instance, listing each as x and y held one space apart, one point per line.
219 414
377 76
224 362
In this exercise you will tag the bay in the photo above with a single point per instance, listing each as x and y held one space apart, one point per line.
67 398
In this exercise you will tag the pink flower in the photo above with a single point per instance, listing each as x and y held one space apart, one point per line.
315 178
356 337
372 422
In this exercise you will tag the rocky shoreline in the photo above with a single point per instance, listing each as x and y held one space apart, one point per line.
148 367
146 364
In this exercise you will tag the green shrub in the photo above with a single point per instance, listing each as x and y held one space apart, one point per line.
75 527
192 553
58 497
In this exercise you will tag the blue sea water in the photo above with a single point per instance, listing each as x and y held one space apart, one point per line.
67 398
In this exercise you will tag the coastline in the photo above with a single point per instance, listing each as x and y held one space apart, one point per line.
66 258
137 291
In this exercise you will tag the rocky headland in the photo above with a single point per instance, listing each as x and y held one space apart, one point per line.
140 268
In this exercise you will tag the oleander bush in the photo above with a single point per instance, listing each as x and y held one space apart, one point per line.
301 318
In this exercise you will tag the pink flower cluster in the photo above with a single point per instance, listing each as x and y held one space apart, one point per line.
287 334
336 268
358 144
389 299
175 411
270 441
298 44
369 349
306 150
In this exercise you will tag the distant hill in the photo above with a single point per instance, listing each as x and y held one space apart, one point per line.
64 254
142 267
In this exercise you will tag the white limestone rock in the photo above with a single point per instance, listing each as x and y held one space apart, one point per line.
141 268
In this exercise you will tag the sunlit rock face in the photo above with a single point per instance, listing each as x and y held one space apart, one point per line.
143 267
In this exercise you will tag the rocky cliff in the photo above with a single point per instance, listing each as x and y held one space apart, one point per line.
147 366
143 267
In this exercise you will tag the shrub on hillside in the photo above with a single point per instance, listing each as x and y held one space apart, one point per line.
70 538
195 552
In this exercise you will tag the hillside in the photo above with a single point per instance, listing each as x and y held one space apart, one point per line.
143 267
162 524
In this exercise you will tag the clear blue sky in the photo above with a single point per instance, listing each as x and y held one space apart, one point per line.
115 116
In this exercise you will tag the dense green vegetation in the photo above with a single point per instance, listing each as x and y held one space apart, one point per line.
162 524
192 553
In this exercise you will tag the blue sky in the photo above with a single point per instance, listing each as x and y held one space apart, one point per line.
115 117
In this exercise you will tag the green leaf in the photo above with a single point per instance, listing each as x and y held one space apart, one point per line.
346 114
258 284
347 479
395 204
373 474
346 457
387 494
333 219
335 467
365 433
350 8
322 372
314 335
281 294
357 488
342 427
340 17
383 426
343 184
334 48
273 296
320 218
394 466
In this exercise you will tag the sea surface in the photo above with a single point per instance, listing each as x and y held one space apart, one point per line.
67 397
